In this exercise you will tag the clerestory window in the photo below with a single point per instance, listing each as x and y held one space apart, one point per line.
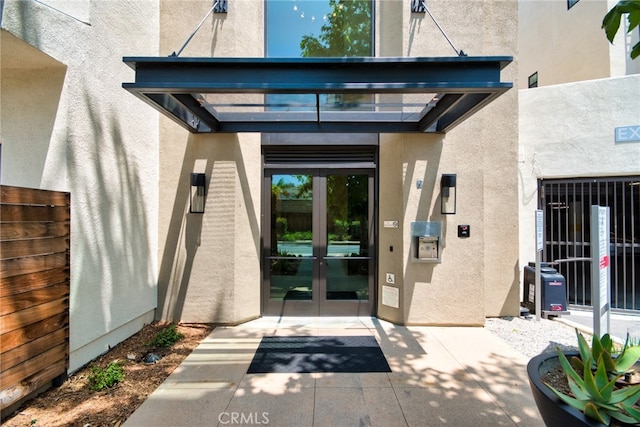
319 29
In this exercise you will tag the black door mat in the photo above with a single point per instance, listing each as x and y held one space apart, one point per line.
303 354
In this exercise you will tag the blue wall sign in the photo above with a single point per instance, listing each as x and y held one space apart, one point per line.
628 134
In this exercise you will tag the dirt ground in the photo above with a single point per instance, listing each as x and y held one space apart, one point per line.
76 404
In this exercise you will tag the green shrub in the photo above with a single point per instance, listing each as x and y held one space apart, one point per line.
282 226
101 378
166 337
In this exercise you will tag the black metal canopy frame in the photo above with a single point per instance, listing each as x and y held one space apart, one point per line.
302 95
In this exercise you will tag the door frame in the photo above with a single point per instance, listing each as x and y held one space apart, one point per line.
319 305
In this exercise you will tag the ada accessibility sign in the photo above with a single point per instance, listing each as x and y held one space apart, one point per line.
628 134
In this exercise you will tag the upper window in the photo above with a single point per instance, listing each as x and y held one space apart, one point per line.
319 28
570 3
533 80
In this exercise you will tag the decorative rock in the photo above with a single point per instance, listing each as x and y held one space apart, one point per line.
151 358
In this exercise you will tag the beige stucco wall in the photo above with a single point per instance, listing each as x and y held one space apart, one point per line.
67 125
210 263
477 277
567 45
30 81
568 131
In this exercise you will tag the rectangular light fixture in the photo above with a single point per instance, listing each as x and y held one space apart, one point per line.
197 194
448 194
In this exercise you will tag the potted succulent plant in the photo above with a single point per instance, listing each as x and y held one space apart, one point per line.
598 386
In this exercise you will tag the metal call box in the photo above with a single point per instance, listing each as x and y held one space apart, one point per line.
427 247
426 239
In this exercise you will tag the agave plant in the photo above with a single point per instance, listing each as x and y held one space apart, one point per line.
595 393
616 363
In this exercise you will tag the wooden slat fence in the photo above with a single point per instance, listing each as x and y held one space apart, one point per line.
34 290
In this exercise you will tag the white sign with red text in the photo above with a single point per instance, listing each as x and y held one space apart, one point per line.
600 271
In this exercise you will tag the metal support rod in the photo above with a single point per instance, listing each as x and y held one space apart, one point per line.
458 52
50 7
215 3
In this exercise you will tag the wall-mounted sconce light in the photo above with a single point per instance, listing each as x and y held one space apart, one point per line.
197 192
448 194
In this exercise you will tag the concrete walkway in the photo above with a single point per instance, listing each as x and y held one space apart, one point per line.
620 323
440 376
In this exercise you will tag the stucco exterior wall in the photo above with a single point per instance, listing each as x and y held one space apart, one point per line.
568 45
568 131
31 81
477 277
563 45
210 263
67 125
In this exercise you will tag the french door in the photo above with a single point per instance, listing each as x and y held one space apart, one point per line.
319 242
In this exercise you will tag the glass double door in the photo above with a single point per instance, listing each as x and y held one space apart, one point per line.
318 243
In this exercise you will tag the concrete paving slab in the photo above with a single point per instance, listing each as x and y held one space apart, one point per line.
494 366
354 406
173 407
286 407
276 382
453 376
464 406
353 380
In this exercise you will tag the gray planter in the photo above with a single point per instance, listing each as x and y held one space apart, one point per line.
554 412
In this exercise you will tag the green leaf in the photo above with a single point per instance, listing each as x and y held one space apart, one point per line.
591 411
634 21
597 348
631 400
571 401
607 392
568 369
583 346
605 385
625 361
634 412
590 385
609 362
622 417
601 376
607 343
577 363
611 23
577 391
626 344
628 395
635 52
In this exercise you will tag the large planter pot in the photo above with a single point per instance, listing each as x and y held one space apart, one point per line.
554 412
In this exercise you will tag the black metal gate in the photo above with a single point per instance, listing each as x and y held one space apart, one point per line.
567 206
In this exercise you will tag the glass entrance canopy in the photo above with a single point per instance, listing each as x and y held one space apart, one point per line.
303 95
